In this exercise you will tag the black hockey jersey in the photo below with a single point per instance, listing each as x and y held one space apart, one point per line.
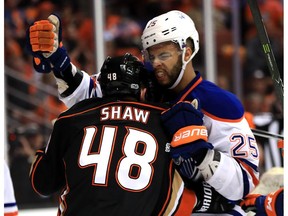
110 158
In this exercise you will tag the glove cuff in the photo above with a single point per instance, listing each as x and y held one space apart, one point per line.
189 134
72 81
260 205
60 60
200 155
41 65
189 149
209 164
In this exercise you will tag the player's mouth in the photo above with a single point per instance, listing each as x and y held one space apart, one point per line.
160 75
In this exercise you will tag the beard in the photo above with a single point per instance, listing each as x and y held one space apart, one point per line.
174 73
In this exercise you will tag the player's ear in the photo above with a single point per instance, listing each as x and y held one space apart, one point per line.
143 94
188 53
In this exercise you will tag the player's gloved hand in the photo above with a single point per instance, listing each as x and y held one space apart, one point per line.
253 202
209 200
181 115
46 40
40 63
58 56
184 121
262 205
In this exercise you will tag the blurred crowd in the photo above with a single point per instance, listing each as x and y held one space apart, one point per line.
31 99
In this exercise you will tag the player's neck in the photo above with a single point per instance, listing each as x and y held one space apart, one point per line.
188 76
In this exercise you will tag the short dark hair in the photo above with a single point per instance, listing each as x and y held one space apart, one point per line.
190 43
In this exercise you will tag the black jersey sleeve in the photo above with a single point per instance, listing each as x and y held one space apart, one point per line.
47 173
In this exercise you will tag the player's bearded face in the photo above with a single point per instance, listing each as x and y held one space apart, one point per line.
174 73
167 64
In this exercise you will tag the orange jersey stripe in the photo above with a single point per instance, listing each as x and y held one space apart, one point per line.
168 198
221 119
11 213
107 104
250 171
188 202
190 89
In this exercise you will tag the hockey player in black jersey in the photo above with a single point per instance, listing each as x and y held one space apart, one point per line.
110 156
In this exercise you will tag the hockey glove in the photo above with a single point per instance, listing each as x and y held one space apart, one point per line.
262 205
45 40
40 63
209 200
184 121
181 115
58 56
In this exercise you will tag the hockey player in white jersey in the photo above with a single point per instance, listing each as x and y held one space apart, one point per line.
226 160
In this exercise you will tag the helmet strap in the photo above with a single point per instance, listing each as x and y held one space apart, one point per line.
184 63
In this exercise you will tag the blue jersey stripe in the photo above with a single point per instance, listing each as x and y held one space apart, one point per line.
9 204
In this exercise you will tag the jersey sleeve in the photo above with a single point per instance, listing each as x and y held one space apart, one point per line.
47 174
89 87
239 157
10 205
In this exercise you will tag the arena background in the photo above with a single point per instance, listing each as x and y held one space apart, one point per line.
230 55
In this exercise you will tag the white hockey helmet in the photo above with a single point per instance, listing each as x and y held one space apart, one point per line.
173 26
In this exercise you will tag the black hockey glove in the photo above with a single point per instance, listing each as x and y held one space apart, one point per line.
209 200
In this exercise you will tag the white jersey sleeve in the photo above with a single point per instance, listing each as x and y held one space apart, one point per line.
10 206
239 157
88 88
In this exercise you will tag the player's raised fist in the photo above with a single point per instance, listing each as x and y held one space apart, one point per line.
42 36
44 42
